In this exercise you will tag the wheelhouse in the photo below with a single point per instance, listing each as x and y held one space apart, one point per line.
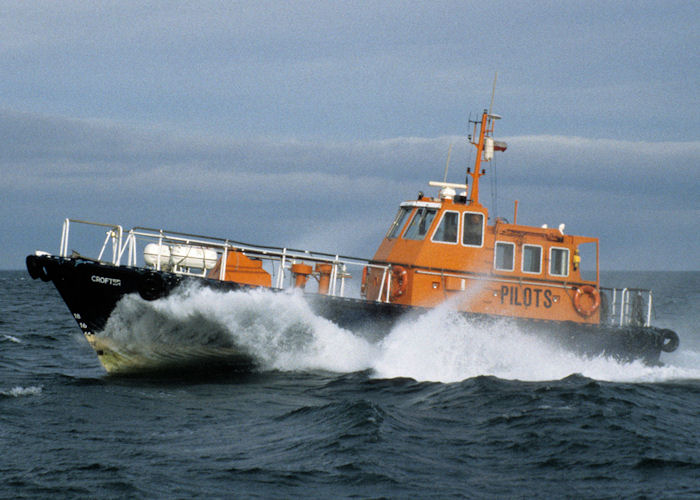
444 248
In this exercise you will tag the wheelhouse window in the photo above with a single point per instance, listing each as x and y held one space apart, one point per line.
420 224
505 256
532 259
559 261
473 234
399 221
446 231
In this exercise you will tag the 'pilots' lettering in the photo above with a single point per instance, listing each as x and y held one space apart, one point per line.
529 297
515 297
548 298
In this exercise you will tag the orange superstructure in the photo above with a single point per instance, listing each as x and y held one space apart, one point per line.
446 248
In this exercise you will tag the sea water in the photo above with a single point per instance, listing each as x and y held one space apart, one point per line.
438 408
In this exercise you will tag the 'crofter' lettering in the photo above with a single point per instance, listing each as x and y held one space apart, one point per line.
106 281
530 297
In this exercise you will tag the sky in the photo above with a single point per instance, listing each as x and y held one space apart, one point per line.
305 124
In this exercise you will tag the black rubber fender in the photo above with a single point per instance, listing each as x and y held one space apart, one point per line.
37 269
669 340
151 286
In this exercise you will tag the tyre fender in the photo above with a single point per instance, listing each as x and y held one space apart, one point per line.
669 340
151 286
36 269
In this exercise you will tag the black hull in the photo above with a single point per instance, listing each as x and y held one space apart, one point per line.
91 290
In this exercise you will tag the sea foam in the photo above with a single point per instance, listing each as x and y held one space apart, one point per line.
22 391
280 332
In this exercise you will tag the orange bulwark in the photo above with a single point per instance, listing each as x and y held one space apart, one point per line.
242 269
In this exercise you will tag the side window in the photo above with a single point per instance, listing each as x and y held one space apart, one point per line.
398 223
532 259
505 256
420 224
446 231
473 229
559 261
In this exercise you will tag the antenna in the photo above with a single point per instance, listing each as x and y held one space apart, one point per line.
493 91
447 165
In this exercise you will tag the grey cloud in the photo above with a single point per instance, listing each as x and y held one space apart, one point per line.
387 69
339 195
41 150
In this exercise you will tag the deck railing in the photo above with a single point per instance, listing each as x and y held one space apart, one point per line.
120 245
626 306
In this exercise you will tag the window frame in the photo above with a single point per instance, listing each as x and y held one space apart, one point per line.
416 213
567 265
495 256
522 258
464 225
442 217
395 223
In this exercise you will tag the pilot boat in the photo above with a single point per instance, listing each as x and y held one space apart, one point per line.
441 249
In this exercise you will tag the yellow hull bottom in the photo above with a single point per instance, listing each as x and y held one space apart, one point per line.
157 358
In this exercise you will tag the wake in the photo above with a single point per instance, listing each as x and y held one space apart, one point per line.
279 331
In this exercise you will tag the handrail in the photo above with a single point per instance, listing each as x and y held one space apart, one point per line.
623 311
116 238
279 259
624 306
233 243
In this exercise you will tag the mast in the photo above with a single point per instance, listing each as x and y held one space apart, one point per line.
474 194
485 145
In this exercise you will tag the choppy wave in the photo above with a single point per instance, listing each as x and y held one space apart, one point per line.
280 332
293 428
